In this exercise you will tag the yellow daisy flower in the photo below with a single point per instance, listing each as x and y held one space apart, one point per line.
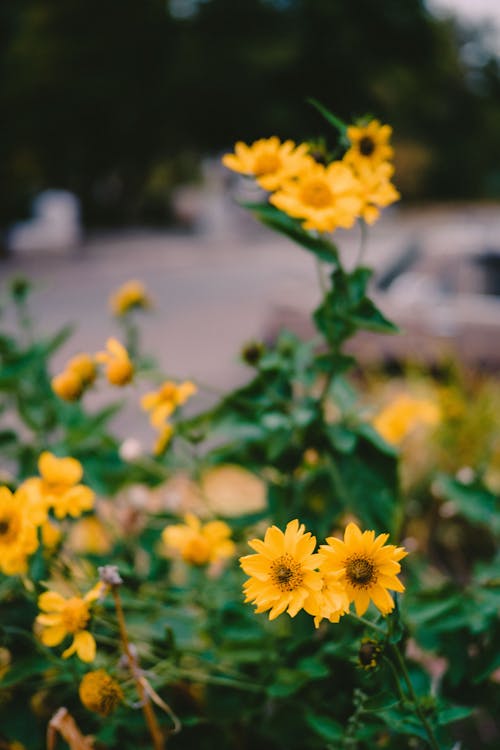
324 197
61 617
271 162
282 573
131 295
163 402
331 601
404 414
199 544
369 144
18 534
119 368
365 566
99 692
58 487
376 189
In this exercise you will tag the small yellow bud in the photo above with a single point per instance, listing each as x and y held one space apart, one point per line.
99 692
120 371
68 385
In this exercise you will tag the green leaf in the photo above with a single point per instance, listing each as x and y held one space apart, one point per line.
474 502
335 121
326 728
292 228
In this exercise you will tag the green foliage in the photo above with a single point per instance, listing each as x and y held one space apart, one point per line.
300 426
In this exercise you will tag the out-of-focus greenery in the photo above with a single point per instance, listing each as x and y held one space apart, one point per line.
111 100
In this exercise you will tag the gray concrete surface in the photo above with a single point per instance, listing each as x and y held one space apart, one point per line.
219 287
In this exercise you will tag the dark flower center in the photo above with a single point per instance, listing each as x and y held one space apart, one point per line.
286 573
4 527
366 146
360 572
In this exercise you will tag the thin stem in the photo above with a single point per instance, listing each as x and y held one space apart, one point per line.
149 715
404 671
363 241
321 278
399 689
368 624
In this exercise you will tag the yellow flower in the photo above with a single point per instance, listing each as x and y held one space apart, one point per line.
83 365
376 189
58 487
271 162
51 535
18 534
163 439
131 295
369 144
331 601
119 368
324 197
67 385
199 544
61 617
89 536
99 692
365 566
163 402
403 415
282 573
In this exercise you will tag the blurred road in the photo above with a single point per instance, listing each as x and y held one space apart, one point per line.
219 287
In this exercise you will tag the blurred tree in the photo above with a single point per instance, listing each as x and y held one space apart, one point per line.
110 99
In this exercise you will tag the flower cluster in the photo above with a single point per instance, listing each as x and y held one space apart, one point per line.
286 574
323 196
81 372
162 404
57 489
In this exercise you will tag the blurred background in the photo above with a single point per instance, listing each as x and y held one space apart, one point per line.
115 116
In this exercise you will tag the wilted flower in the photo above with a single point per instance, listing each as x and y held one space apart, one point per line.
100 693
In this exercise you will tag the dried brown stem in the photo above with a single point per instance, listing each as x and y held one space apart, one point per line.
147 709
63 723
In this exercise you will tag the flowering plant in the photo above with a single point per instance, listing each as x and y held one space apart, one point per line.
350 642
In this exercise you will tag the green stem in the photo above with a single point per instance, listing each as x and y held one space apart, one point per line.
369 624
399 689
423 719
323 285
363 242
